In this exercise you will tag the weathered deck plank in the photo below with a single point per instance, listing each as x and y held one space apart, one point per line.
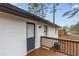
45 52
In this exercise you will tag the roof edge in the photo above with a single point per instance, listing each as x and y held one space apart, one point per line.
11 9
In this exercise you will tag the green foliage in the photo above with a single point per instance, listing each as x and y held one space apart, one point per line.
41 9
34 8
38 9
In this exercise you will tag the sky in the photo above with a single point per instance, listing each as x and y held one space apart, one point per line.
60 20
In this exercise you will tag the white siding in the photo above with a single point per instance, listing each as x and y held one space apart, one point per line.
39 33
52 33
13 34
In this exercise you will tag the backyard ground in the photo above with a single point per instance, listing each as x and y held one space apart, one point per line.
72 36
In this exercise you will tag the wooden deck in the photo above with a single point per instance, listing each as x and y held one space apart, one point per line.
45 52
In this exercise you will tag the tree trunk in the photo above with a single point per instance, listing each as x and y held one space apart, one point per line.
53 12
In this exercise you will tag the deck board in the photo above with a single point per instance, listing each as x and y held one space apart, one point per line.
45 52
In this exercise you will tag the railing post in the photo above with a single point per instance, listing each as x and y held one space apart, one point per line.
73 49
67 47
64 46
76 49
60 45
41 41
70 48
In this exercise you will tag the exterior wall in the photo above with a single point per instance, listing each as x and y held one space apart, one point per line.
52 32
38 34
13 34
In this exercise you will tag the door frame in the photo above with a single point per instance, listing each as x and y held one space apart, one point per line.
27 35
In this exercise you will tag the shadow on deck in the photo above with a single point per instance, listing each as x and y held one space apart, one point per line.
45 52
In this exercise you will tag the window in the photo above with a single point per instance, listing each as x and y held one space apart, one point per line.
55 30
45 30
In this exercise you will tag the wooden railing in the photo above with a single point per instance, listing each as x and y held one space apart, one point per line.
69 47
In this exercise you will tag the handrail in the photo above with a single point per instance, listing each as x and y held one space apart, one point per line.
69 47
60 39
